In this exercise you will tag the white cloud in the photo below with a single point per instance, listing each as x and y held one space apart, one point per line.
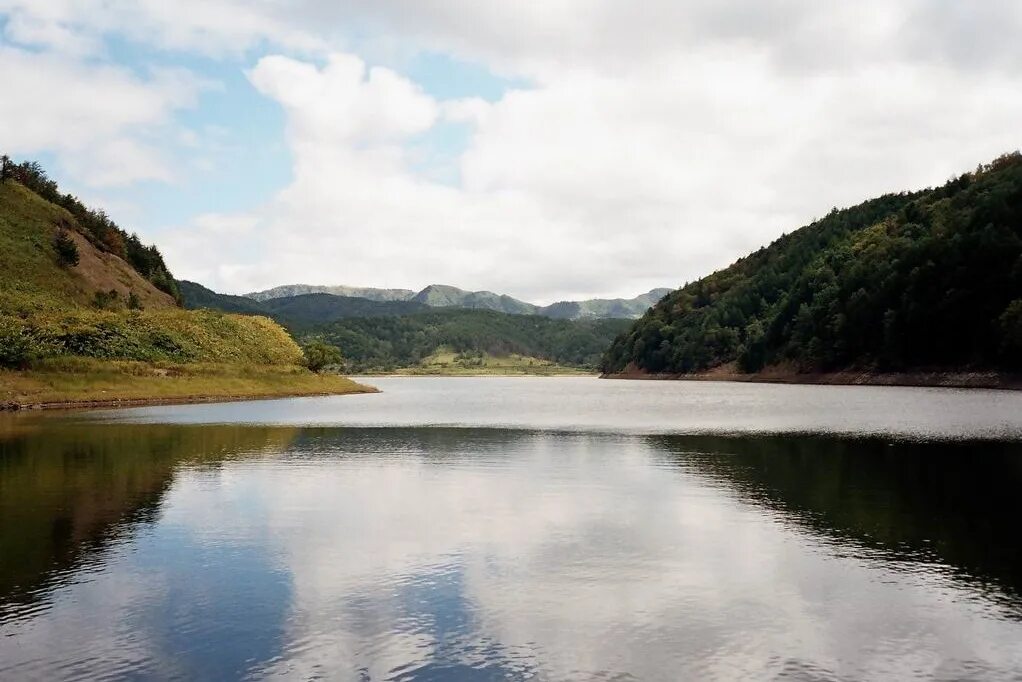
594 183
344 103
549 573
26 28
95 116
216 28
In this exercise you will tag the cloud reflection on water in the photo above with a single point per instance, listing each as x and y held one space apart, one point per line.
474 554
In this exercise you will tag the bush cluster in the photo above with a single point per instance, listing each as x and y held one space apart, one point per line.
320 355
160 335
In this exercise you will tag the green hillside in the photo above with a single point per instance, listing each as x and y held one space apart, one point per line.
32 275
34 215
309 310
387 343
923 280
87 312
196 297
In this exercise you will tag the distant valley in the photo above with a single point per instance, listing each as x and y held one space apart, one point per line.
467 330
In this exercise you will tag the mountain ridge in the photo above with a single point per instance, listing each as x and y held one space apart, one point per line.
445 295
371 293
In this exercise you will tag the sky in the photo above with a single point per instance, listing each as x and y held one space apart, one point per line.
550 150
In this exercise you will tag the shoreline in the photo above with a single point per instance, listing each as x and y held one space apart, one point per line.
77 383
922 379
13 406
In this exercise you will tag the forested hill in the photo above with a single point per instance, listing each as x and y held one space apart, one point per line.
924 280
387 343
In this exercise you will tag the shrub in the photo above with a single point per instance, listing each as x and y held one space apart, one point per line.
319 355
67 250
106 300
17 348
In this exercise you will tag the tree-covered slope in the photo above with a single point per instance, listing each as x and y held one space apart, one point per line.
308 310
930 279
196 297
383 343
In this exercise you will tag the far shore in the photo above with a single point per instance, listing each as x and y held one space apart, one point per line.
477 375
933 379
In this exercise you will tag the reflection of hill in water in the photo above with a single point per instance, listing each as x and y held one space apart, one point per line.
951 502
69 490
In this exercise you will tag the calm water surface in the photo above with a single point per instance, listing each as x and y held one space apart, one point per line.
544 529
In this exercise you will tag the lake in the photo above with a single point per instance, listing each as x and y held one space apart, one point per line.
518 528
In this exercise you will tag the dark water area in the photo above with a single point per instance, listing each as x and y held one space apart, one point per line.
545 529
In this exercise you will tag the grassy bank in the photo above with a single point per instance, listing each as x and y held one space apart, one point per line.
70 382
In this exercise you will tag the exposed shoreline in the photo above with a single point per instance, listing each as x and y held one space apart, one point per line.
936 379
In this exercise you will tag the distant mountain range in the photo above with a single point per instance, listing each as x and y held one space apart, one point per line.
445 296
357 292
300 311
